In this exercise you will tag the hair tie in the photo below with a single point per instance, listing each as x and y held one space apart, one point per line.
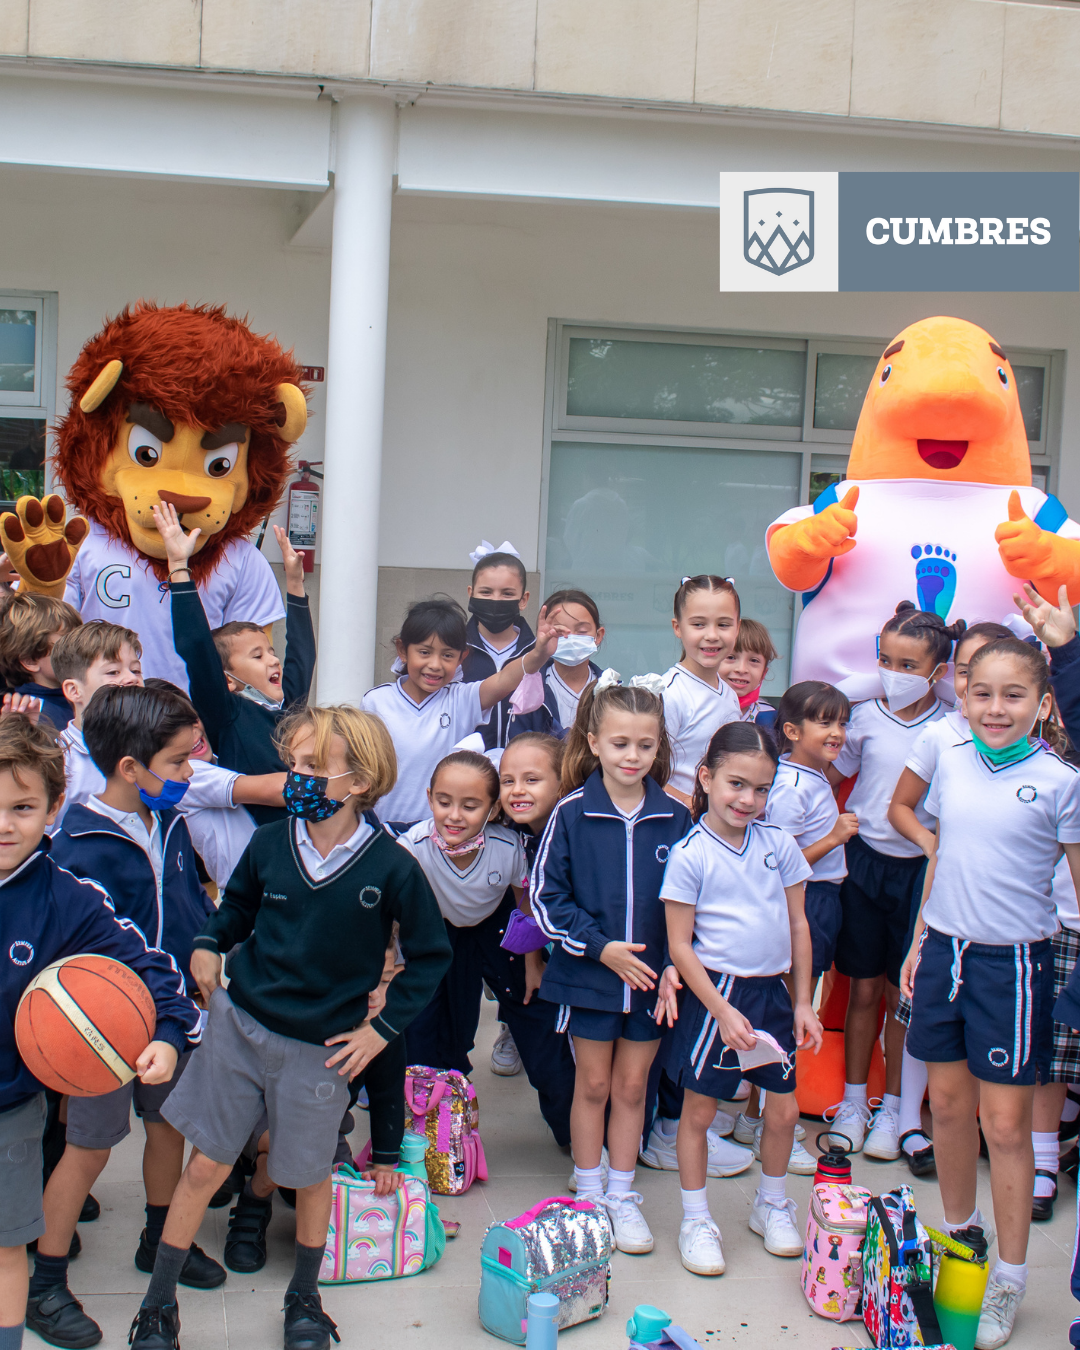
609 679
653 683
485 547
685 580
730 581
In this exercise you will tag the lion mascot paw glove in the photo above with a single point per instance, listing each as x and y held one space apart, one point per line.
186 405
938 506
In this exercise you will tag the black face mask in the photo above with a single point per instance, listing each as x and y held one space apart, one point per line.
496 615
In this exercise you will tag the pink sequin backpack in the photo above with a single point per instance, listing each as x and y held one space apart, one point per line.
442 1103
832 1267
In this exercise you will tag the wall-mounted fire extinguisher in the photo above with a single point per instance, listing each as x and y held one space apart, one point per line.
304 512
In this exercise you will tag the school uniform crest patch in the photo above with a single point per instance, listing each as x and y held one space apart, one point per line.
369 897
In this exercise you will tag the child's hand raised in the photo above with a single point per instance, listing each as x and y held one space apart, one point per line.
358 1049
294 562
1053 625
547 639
26 704
179 546
619 957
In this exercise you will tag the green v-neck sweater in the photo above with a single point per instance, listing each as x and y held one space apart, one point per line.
313 950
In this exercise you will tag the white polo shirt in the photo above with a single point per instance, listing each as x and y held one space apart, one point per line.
801 801
693 712
878 743
999 842
111 581
219 830
82 775
467 897
741 926
423 733
952 729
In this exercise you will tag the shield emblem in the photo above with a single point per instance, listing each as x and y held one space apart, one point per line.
778 229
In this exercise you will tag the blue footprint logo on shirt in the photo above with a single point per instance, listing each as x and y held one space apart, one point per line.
935 577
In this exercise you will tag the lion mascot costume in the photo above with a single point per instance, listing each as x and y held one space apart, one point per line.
184 405
938 507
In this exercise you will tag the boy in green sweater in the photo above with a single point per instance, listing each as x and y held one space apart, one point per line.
312 900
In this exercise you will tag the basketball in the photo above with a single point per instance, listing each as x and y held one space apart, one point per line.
82 1023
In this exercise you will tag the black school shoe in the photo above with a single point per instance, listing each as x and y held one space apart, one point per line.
307 1327
156 1329
58 1318
90 1211
1042 1206
921 1162
199 1270
245 1242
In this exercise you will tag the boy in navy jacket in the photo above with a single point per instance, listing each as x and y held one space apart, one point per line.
131 840
239 686
45 915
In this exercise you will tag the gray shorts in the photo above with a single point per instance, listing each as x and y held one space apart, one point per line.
21 1216
242 1072
103 1122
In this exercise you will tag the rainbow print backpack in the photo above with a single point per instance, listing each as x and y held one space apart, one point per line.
379 1237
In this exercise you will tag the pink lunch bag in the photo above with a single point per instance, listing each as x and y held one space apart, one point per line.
442 1103
832 1268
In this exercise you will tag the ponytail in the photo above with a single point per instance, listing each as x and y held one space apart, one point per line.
579 761
928 627
734 738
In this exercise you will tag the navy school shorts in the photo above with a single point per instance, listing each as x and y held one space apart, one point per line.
989 1005
701 1061
592 1024
823 914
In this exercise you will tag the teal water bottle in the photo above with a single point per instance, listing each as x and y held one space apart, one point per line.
646 1324
413 1149
542 1328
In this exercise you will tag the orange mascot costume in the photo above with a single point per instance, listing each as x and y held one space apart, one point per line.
184 405
937 507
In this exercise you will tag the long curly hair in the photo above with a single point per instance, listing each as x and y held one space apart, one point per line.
198 365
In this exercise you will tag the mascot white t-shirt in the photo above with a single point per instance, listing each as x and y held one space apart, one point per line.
923 540
112 582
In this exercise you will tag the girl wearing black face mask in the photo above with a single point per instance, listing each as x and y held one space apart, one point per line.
497 631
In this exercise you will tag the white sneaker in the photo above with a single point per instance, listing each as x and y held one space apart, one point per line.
699 1247
849 1118
800 1163
1000 1303
743 1091
883 1140
723 1124
725 1159
776 1224
745 1125
629 1231
505 1060
571 1185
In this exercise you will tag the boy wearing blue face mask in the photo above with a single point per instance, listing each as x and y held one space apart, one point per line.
239 686
129 839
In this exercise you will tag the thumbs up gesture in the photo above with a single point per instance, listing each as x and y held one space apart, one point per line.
800 553
1026 551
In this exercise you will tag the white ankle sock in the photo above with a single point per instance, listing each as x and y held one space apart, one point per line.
973 1220
772 1190
695 1204
913 1079
1046 1160
855 1092
668 1128
618 1183
1070 1111
1014 1275
892 1102
589 1180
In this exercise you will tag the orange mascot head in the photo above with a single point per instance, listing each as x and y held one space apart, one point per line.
183 405
942 405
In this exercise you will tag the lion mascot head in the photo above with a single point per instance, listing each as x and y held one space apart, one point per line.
180 404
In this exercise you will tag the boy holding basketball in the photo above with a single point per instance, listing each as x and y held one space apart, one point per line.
132 841
312 902
47 914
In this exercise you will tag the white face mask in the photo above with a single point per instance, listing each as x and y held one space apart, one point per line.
902 689
574 648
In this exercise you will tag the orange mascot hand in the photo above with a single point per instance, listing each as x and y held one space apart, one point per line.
1031 554
800 553
39 545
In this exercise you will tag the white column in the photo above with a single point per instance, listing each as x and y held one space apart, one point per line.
355 377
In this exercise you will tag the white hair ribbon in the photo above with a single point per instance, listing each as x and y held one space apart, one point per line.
653 683
485 547
609 679
730 580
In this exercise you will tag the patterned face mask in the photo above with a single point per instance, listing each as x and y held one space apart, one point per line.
305 796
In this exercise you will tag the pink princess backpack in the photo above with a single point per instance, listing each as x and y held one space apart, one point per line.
832 1268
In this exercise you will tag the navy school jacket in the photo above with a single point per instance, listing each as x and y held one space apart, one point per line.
46 914
478 665
92 846
597 880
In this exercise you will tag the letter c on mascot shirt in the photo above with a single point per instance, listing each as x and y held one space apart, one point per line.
937 508
183 405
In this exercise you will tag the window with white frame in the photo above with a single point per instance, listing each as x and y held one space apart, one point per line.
668 454
27 390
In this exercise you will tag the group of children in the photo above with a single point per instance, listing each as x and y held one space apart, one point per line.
649 876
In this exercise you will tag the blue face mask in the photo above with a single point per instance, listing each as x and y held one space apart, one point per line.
1004 754
305 796
172 792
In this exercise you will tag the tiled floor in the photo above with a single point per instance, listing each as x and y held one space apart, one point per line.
757 1303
